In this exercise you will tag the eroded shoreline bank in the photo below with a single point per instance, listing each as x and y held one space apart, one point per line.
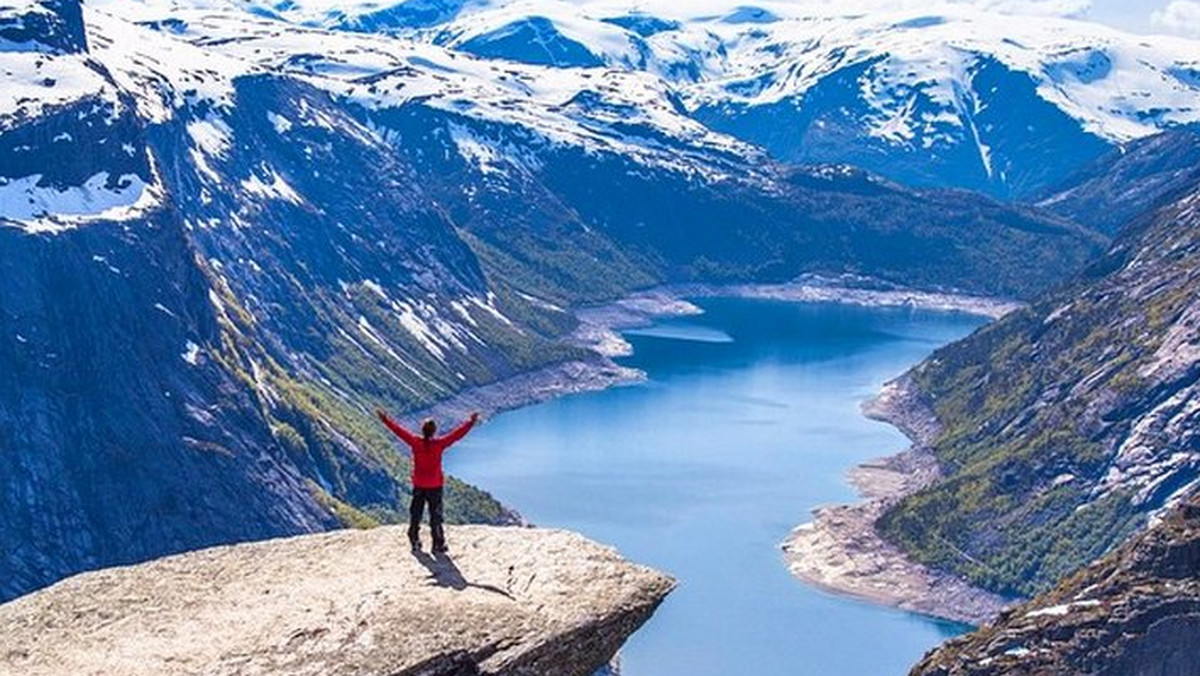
839 551
600 331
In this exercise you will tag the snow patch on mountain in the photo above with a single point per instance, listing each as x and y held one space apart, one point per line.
211 135
282 124
34 84
424 324
270 186
36 208
482 154
191 353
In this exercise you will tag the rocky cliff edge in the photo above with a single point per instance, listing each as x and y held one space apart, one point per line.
504 601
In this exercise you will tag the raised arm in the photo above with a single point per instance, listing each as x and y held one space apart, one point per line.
461 431
406 436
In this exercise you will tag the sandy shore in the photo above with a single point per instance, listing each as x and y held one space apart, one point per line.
851 290
840 551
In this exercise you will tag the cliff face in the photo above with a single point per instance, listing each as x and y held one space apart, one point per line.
505 601
1136 612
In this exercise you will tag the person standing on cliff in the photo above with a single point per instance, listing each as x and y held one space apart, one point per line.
427 478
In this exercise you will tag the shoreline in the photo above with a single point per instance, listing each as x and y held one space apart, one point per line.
840 551
600 329
851 290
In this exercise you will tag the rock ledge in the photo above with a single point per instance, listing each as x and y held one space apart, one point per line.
505 601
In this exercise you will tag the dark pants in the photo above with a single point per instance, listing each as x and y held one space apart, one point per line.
416 509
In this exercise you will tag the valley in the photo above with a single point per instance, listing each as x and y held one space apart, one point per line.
319 231
232 229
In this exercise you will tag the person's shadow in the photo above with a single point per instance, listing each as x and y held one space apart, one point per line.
444 571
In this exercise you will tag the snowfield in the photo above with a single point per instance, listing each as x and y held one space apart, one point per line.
100 197
811 82
1118 85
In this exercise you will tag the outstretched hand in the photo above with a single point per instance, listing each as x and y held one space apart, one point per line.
379 412
475 417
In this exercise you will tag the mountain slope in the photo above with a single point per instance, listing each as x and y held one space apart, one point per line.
945 94
232 237
1070 423
1126 183
503 138
1136 611
178 363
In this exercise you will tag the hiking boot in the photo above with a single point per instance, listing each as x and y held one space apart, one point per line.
440 548
415 543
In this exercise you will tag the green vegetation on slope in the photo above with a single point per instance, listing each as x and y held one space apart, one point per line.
1036 407
325 419
1133 611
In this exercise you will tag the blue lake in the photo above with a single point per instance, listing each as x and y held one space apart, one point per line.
749 419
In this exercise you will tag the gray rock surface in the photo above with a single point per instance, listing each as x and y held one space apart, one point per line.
504 601
1134 613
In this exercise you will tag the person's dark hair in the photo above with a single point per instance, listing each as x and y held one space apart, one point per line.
428 428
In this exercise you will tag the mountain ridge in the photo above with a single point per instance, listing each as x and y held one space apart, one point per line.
1130 182
920 95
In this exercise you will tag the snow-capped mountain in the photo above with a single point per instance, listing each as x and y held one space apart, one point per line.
229 236
938 93
194 306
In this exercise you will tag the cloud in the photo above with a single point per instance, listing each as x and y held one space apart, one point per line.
1181 17
1063 8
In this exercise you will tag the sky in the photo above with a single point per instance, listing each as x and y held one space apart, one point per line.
1179 17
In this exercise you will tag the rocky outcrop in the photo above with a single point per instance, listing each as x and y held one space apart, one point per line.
504 601
1136 612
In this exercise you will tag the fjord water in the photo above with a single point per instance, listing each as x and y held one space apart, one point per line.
749 419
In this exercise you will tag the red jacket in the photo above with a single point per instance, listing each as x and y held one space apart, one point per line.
427 454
